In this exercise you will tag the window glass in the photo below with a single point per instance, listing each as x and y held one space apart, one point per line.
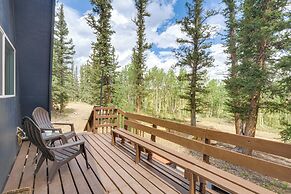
1 60
9 69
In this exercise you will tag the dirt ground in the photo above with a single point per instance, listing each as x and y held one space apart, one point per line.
78 113
75 112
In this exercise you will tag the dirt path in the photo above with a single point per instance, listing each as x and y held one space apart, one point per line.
77 113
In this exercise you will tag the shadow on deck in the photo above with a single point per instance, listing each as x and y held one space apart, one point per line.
113 170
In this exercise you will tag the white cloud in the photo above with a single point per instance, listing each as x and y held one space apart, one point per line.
220 57
160 13
124 38
163 60
167 39
81 34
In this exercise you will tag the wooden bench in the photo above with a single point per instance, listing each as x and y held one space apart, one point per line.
197 170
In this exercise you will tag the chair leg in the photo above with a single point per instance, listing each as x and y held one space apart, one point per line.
85 156
53 171
39 163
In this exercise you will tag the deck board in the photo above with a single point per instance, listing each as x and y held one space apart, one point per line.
109 169
16 172
28 176
151 178
156 170
80 181
132 168
112 170
56 183
41 184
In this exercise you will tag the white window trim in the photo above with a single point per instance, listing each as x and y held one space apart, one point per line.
5 37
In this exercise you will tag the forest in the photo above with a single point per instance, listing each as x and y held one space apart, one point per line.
256 91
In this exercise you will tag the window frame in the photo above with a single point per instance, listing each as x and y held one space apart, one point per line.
2 65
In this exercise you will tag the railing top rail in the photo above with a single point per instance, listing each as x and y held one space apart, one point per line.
268 146
104 108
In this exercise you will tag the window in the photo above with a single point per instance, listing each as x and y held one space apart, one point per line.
1 62
9 69
7 66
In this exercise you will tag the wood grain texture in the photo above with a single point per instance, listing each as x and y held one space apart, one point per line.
201 170
264 167
272 147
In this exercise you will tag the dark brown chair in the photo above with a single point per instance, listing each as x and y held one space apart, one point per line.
42 119
59 155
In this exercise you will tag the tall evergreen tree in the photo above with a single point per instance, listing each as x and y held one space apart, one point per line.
103 60
193 53
86 83
73 84
230 13
259 39
138 56
62 62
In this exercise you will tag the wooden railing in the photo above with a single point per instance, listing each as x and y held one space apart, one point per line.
199 139
102 120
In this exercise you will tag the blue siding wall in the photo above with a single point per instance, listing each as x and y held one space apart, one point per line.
29 25
34 25
9 107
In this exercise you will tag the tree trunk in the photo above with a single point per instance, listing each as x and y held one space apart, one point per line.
238 124
138 103
193 97
193 117
252 117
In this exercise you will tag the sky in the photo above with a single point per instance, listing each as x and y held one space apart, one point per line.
161 30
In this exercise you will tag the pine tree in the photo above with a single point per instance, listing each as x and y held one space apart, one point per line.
230 13
74 86
138 56
62 62
193 53
123 97
260 31
280 91
103 59
86 83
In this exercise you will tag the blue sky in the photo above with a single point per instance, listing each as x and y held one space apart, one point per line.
161 30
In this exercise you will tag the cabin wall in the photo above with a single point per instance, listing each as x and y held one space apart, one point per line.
29 26
34 27
9 106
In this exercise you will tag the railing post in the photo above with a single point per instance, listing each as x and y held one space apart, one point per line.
126 128
113 140
94 120
205 159
115 120
118 116
192 183
137 154
153 138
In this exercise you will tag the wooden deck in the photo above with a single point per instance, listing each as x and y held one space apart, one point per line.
113 170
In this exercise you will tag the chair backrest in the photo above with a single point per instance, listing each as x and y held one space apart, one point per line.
41 117
34 135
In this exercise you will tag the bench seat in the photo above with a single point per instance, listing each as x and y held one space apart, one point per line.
197 169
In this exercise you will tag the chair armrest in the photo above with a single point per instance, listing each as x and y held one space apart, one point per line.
56 137
79 142
52 129
70 124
